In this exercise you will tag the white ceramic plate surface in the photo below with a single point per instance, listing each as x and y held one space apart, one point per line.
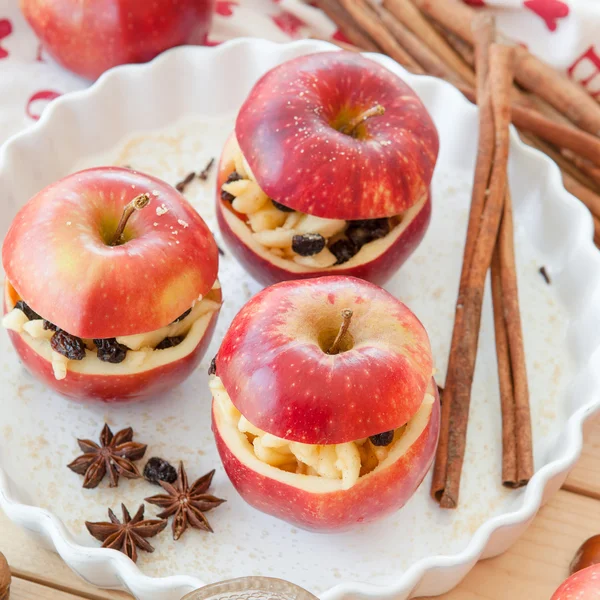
171 116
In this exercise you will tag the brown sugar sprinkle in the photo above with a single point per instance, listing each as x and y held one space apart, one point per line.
203 175
180 187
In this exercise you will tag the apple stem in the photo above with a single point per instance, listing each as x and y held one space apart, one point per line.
137 203
346 318
374 111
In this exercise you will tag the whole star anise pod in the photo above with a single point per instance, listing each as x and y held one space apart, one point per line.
188 504
128 535
115 455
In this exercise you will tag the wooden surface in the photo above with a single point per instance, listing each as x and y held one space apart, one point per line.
531 570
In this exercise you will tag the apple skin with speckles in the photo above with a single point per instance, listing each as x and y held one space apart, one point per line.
293 133
583 585
275 366
57 258
90 37
290 132
277 374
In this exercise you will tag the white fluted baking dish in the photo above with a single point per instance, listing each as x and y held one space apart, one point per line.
170 116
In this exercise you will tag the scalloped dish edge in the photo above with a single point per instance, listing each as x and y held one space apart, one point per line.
431 575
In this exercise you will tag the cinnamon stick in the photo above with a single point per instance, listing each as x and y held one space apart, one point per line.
454 15
565 95
366 18
568 97
421 53
566 166
412 18
507 401
500 84
346 25
484 31
559 134
564 136
585 166
587 196
462 48
512 322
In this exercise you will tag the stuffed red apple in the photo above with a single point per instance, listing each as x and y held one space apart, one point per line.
328 171
111 285
325 412
90 37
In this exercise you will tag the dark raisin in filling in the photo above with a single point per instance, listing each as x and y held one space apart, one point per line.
382 439
109 350
282 207
363 232
235 176
158 469
212 370
182 316
51 326
68 345
308 244
343 250
170 342
29 313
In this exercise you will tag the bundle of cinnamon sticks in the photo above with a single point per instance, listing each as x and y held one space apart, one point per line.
552 113
489 243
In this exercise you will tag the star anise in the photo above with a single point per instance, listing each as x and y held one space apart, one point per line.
188 504
115 455
128 535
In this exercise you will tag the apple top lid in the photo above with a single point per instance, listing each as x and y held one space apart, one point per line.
59 258
337 135
275 361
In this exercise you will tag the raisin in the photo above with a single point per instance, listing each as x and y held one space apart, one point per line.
212 370
29 313
170 342
51 326
308 244
363 232
182 316
382 439
109 350
343 250
235 176
68 345
282 207
158 469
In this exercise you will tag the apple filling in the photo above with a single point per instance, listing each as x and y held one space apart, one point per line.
127 354
345 463
306 240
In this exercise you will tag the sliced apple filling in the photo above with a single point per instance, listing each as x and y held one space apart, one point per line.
126 354
306 240
345 463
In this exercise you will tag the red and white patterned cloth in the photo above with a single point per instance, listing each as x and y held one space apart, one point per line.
565 33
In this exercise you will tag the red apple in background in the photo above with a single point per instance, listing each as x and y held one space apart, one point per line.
583 585
90 37
290 373
150 295
335 136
